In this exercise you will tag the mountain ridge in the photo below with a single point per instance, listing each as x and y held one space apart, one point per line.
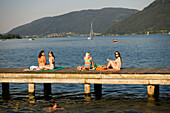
153 18
76 21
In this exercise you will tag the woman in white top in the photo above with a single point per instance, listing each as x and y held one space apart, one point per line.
115 64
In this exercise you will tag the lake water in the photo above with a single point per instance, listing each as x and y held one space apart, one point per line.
136 51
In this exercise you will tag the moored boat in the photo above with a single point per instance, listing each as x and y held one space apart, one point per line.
32 39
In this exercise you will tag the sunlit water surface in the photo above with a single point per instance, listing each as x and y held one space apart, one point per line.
136 51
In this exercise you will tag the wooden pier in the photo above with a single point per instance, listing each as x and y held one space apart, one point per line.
152 77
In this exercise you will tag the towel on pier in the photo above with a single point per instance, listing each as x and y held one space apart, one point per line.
56 68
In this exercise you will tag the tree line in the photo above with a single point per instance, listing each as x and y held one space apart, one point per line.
10 36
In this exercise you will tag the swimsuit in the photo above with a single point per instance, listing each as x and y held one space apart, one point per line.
113 64
88 64
88 60
51 66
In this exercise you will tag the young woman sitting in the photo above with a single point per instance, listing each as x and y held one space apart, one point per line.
51 61
115 64
41 60
88 63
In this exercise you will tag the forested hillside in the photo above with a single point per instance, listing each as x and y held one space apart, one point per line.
76 22
155 18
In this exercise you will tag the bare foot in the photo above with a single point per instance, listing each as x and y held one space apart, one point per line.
79 68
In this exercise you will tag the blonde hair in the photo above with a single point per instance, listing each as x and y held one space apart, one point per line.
87 53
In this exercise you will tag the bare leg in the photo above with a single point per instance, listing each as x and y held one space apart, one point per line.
26 69
87 67
46 67
114 66
108 65
111 63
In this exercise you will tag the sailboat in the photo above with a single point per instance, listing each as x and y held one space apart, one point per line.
91 33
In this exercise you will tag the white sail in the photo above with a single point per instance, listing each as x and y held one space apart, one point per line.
91 33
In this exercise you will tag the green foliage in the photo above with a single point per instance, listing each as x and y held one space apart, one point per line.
154 18
76 22
10 36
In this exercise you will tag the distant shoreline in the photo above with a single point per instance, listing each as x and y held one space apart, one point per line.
52 36
10 36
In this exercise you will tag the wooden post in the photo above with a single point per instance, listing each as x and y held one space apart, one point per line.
98 91
87 88
32 97
153 90
97 88
31 87
47 89
87 97
5 89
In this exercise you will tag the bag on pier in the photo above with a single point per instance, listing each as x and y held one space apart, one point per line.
33 67
100 67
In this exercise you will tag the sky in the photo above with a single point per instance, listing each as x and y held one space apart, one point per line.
14 13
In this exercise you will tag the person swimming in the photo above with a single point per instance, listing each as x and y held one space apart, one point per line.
53 107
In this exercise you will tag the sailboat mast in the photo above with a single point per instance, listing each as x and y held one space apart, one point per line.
91 31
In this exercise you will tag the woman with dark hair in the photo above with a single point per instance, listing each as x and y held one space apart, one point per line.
51 61
115 64
41 59
41 62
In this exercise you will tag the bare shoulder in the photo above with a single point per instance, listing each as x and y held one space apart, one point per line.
43 57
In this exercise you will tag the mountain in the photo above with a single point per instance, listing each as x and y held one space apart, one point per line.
155 18
76 22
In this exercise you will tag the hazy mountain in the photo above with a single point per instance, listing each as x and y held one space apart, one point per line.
77 22
154 18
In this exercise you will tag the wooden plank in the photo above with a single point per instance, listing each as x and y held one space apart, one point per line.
137 76
40 80
65 76
126 70
73 70
91 81
71 75
148 70
160 70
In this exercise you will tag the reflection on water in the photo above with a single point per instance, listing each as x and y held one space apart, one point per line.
87 104
136 51
112 98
